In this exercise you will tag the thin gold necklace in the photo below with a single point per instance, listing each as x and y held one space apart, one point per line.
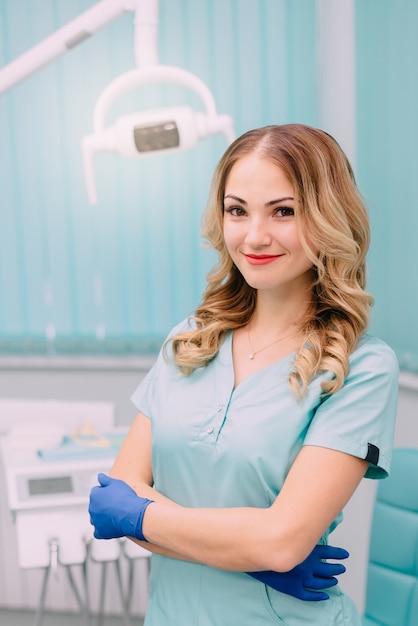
254 352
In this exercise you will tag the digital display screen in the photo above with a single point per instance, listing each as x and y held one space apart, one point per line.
158 137
47 486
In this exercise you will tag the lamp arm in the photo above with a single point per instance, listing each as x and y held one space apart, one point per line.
144 75
79 29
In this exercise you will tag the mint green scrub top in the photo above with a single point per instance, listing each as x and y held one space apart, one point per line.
216 446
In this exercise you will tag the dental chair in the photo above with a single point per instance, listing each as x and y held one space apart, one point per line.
392 575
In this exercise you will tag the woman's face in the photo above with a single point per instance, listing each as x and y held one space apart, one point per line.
260 228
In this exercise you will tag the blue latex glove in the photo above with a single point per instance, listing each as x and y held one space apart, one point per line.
115 509
313 573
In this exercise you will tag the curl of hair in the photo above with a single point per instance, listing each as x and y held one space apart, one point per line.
334 229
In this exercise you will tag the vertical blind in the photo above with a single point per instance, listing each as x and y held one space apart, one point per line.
117 276
387 159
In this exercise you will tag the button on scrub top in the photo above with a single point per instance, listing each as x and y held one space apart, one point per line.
216 446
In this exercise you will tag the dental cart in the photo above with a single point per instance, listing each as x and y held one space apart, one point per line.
48 480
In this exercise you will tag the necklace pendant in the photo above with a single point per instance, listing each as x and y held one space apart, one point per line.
251 356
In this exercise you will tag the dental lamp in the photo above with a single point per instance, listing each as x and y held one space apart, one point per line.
139 134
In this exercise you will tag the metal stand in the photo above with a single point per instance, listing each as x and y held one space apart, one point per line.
106 553
133 553
125 608
53 568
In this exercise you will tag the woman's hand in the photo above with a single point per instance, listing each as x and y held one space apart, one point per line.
115 509
304 580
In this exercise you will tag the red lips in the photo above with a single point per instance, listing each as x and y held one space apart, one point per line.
262 259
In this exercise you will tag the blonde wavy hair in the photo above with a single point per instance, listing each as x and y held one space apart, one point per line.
331 210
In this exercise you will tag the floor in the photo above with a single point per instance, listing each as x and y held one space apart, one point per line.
15 617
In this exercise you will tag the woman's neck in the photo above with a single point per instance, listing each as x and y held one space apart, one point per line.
272 334
278 314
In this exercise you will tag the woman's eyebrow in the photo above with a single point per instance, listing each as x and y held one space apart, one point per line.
278 200
230 195
270 203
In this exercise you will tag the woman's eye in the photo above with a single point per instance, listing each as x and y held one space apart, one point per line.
285 211
236 211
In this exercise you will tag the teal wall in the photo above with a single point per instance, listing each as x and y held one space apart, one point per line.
140 245
387 164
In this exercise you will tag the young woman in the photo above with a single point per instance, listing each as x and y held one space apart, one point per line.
265 408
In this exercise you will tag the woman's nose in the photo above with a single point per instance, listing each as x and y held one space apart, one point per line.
257 233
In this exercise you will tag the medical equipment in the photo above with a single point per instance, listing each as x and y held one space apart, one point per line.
156 131
138 134
48 498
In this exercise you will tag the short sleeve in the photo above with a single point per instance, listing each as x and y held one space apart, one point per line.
359 419
144 394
